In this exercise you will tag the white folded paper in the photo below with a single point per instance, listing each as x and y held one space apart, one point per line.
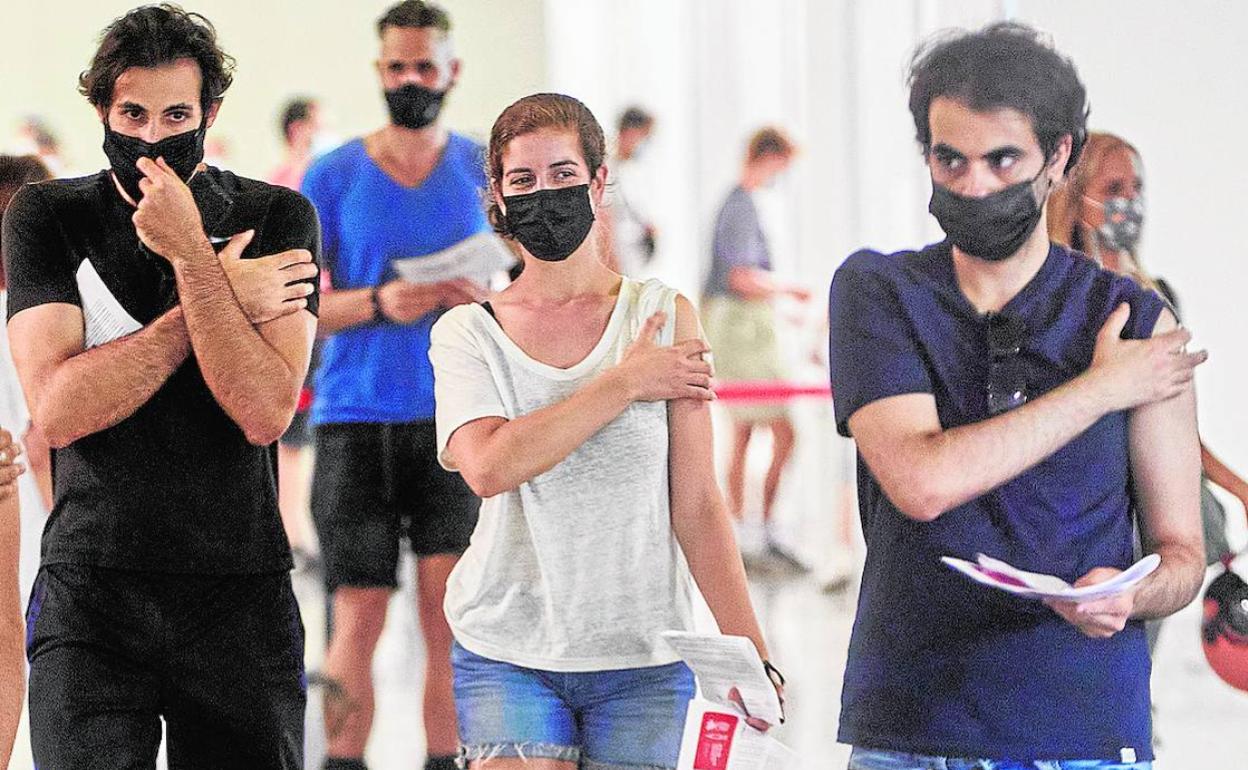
478 258
997 574
717 738
722 662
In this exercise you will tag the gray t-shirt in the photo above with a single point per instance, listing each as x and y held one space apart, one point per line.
738 242
578 569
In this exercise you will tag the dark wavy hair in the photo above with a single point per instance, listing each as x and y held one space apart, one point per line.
1009 65
534 113
151 36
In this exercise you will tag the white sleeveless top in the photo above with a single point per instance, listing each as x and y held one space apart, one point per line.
578 569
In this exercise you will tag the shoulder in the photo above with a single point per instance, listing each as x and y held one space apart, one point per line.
465 146
57 195
737 202
456 326
1102 290
870 266
334 164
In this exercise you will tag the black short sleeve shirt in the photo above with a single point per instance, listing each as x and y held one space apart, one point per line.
176 487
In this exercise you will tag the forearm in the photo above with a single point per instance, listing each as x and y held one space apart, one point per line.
1223 476
710 548
102 386
1174 585
752 284
344 308
951 467
532 444
12 630
247 376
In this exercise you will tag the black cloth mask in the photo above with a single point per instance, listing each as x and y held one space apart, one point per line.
414 106
992 227
552 223
183 152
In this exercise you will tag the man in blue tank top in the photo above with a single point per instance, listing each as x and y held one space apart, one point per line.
1009 398
409 189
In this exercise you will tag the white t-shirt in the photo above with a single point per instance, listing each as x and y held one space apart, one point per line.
578 569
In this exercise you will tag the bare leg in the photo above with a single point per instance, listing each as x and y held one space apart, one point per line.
359 616
741 432
782 436
441 729
293 489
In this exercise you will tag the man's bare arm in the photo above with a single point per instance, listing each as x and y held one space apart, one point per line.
926 470
73 392
254 373
1165 474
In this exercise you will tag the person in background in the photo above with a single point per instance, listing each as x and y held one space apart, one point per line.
35 137
409 189
738 314
300 124
1101 212
15 171
631 235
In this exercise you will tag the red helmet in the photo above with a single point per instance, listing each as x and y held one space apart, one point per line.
1224 632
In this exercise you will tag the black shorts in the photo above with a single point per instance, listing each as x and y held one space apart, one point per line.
374 484
219 657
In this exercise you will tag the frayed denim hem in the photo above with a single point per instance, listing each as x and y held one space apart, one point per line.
523 750
589 764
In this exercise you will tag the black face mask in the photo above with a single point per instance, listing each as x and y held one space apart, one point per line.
992 227
413 106
550 224
183 152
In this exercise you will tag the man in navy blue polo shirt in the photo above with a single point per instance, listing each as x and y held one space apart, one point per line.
1008 397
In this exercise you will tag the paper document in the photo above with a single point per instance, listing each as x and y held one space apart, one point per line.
478 258
723 662
997 574
717 738
104 319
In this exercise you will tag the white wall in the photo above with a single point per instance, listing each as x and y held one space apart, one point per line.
323 48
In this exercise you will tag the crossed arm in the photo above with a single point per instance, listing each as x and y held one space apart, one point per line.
926 470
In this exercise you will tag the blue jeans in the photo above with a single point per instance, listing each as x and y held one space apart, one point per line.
877 759
600 719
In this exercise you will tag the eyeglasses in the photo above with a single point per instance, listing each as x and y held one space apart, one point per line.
1007 377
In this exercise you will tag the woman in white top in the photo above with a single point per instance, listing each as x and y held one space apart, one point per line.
576 403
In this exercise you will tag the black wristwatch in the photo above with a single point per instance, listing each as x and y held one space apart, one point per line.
777 680
378 316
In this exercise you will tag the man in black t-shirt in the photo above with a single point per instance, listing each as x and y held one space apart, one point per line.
162 372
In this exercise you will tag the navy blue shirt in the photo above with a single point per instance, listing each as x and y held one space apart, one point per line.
941 665
380 372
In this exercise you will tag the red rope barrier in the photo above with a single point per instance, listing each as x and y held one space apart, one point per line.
756 391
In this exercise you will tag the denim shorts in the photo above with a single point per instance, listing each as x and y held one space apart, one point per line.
599 719
876 759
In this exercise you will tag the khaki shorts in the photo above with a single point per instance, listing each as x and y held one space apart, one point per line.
742 335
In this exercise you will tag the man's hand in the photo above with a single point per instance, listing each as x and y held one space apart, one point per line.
1101 618
10 468
461 291
1135 372
404 302
167 219
268 287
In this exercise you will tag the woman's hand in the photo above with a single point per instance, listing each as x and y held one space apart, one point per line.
662 373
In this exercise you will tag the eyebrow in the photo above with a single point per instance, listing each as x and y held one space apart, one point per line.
136 106
556 164
996 152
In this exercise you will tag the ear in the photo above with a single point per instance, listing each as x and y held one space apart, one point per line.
497 195
457 66
598 185
1056 170
210 116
